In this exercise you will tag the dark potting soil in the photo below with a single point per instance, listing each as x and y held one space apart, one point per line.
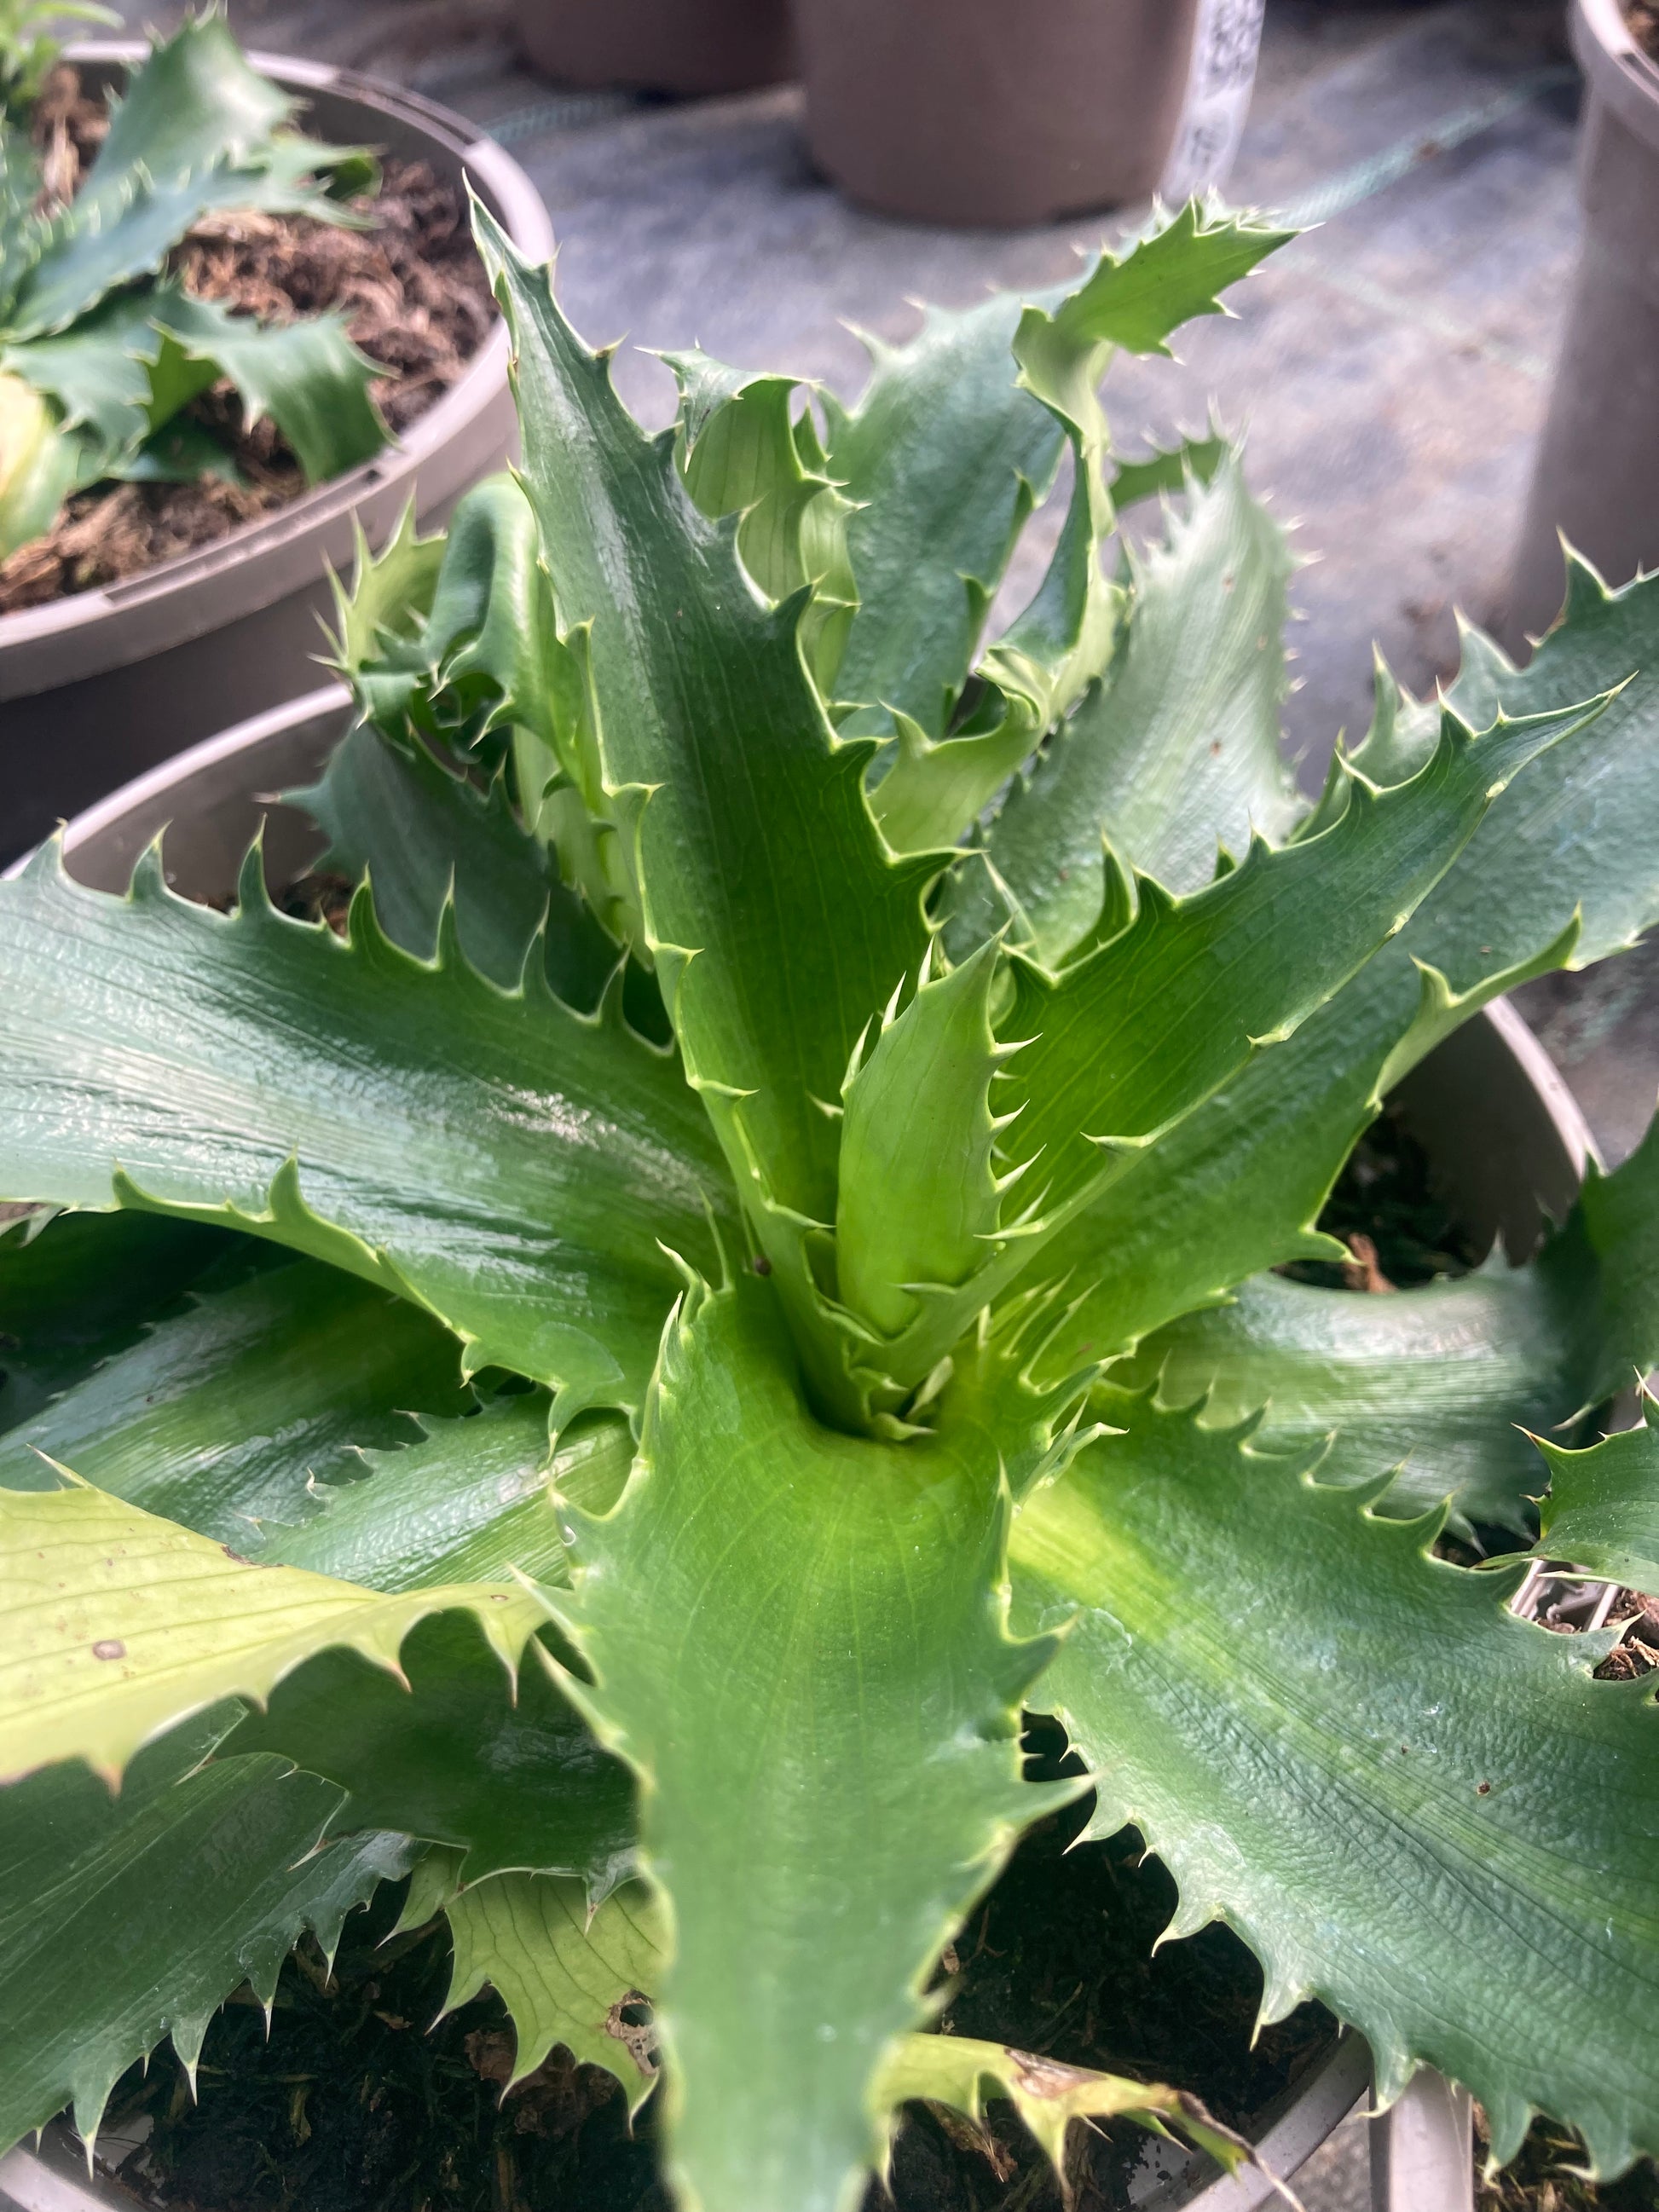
1386 1209
1642 16
1542 2180
350 2105
416 301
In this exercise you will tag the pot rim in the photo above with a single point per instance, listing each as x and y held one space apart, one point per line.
1620 71
42 646
49 2180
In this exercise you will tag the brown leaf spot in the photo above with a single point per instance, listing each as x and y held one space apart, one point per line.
631 2022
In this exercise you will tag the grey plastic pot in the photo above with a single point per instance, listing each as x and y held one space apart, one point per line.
690 46
1500 1128
1596 478
98 687
974 111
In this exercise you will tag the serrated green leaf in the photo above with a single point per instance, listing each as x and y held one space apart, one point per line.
307 376
471 638
391 595
1356 1755
739 454
1168 470
123 1920
796 1642
115 1624
1239 1186
193 105
503 1162
452 647
1402 731
1602 1509
83 259
947 453
1444 1381
562 1972
943 458
1061 643
467 1503
76 1288
503 1772
1563 870
1431 1381
1174 273
960 2071
1133 1037
220 1416
1178 752
776 918
919 1199
1585 835
98 373
757 852
424 833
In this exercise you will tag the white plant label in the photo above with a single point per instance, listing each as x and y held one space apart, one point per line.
1225 43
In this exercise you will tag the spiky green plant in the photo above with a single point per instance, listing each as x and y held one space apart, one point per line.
100 349
806 1101
30 45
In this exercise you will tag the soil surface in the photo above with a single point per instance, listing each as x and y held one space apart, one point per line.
1541 2178
1387 1210
351 2106
416 301
1642 16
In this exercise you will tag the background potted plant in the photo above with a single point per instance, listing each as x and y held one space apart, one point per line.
974 113
691 46
144 259
653 692
1596 478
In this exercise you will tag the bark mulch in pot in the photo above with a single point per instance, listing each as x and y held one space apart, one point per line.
417 303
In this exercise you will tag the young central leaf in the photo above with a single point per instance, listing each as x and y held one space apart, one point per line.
918 1195
797 1641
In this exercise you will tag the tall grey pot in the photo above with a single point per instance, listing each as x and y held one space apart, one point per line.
1596 478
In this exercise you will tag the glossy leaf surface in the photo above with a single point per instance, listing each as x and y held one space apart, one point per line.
1373 1771
458 1753
1602 1509
1178 753
505 1162
220 1416
1443 1382
127 1919
467 1502
798 1644
115 1624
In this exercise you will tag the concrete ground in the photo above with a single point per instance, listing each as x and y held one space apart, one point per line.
1392 366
